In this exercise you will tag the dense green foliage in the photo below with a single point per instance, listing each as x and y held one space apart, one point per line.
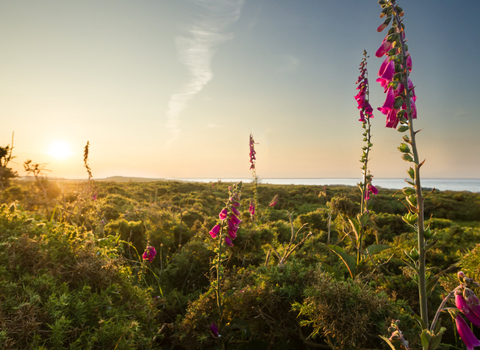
72 275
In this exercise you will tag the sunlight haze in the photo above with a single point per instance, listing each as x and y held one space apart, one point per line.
172 89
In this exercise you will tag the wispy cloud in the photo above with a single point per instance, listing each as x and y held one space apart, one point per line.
196 52
288 63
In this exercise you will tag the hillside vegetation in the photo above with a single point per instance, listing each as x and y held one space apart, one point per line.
73 277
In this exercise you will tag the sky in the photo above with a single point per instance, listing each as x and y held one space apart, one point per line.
173 89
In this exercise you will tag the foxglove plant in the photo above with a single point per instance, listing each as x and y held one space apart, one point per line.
466 302
225 231
366 187
253 203
400 109
273 202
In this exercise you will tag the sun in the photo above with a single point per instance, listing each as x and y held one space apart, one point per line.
59 150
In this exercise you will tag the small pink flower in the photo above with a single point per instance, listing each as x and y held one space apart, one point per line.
149 254
251 209
94 197
273 202
215 230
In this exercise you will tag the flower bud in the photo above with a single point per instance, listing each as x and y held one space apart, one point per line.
403 128
412 200
406 157
408 191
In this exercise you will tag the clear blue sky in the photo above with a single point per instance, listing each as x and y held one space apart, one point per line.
174 88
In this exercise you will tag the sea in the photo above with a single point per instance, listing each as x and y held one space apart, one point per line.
471 185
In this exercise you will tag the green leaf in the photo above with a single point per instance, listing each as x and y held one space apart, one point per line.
355 226
403 128
377 248
398 100
347 259
430 340
408 191
426 338
419 321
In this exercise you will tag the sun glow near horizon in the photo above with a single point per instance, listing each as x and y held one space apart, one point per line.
60 150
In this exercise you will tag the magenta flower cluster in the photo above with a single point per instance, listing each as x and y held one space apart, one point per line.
252 153
273 202
251 208
391 77
468 304
149 254
366 111
231 214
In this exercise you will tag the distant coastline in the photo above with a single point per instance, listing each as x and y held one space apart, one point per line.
463 184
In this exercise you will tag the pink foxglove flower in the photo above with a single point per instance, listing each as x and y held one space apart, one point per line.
228 241
215 230
223 214
235 220
251 209
472 301
466 333
149 254
214 330
232 233
463 306
235 211
371 189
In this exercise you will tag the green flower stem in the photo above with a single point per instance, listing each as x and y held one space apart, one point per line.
219 279
364 202
422 285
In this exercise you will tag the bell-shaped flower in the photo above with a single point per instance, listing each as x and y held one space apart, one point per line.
389 102
472 301
214 330
232 233
223 214
231 224
149 254
388 70
466 333
370 189
228 241
235 211
392 120
215 230
235 220
463 306
251 209
384 48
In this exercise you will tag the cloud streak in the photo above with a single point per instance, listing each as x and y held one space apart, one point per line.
196 52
